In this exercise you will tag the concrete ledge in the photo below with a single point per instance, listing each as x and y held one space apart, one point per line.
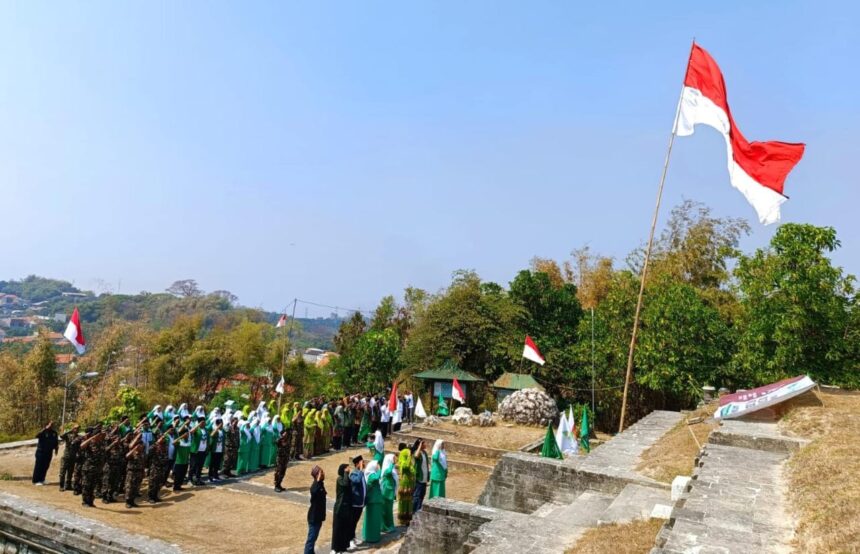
755 436
444 525
25 523
18 444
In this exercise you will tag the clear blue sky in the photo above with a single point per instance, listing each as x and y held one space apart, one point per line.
339 153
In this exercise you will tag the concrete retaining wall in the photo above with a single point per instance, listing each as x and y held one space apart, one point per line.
27 526
444 525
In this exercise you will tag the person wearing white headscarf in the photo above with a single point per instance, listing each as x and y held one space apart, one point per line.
389 486
374 503
199 411
267 441
155 412
261 409
438 470
245 442
183 410
213 415
254 457
377 447
169 412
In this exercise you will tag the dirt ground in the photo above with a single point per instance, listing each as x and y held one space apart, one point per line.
213 519
504 435
675 453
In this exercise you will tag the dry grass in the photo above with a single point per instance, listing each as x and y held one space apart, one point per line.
635 537
505 436
823 484
675 453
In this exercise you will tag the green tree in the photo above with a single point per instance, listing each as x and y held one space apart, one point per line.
476 324
797 310
374 361
348 334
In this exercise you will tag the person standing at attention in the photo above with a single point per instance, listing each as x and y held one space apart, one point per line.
358 484
48 445
388 485
422 474
316 513
373 514
341 529
439 470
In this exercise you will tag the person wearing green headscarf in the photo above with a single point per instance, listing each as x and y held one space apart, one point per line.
389 492
310 427
406 486
319 433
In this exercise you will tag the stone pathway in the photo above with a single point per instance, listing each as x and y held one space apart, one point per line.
735 501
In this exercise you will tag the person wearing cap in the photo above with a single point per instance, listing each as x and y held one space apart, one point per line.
316 512
422 474
358 487
70 452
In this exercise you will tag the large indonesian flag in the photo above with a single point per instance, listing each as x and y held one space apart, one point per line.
75 334
531 352
757 169
457 391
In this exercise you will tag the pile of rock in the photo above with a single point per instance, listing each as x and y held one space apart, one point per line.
528 407
431 421
486 419
463 416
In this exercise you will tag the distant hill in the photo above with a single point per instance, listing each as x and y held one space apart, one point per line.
49 297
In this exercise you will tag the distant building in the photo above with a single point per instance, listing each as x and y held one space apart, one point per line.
313 355
512 382
10 301
75 294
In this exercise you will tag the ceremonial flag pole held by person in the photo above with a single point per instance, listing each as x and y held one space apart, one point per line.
392 400
282 322
757 169
75 334
531 352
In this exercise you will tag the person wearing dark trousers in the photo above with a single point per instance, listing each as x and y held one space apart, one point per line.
217 437
422 474
199 446
316 512
48 445
358 486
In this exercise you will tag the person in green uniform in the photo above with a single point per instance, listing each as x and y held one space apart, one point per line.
182 454
267 442
373 511
438 470
405 485
377 447
244 448
254 445
389 492
310 427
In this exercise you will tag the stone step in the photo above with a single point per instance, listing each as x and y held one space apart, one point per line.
635 502
582 512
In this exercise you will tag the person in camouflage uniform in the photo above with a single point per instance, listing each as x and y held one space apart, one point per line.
91 467
157 468
136 459
283 445
70 454
231 447
78 472
298 428
112 470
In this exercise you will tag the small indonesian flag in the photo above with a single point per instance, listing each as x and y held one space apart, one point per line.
392 400
282 322
757 169
75 334
457 392
531 352
280 387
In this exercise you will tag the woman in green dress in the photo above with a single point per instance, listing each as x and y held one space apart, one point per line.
389 492
438 470
254 457
318 433
310 427
373 503
405 487
377 447
244 448
267 442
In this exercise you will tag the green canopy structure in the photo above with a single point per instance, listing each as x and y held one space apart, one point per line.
550 447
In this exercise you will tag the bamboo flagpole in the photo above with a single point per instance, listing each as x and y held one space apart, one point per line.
629 372
287 333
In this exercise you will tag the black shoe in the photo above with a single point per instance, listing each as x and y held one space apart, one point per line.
77 493
62 489
279 489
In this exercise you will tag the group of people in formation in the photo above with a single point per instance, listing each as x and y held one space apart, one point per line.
372 487
175 446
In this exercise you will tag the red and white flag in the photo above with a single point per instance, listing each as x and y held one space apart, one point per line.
457 391
282 322
757 169
392 400
75 334
531 352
